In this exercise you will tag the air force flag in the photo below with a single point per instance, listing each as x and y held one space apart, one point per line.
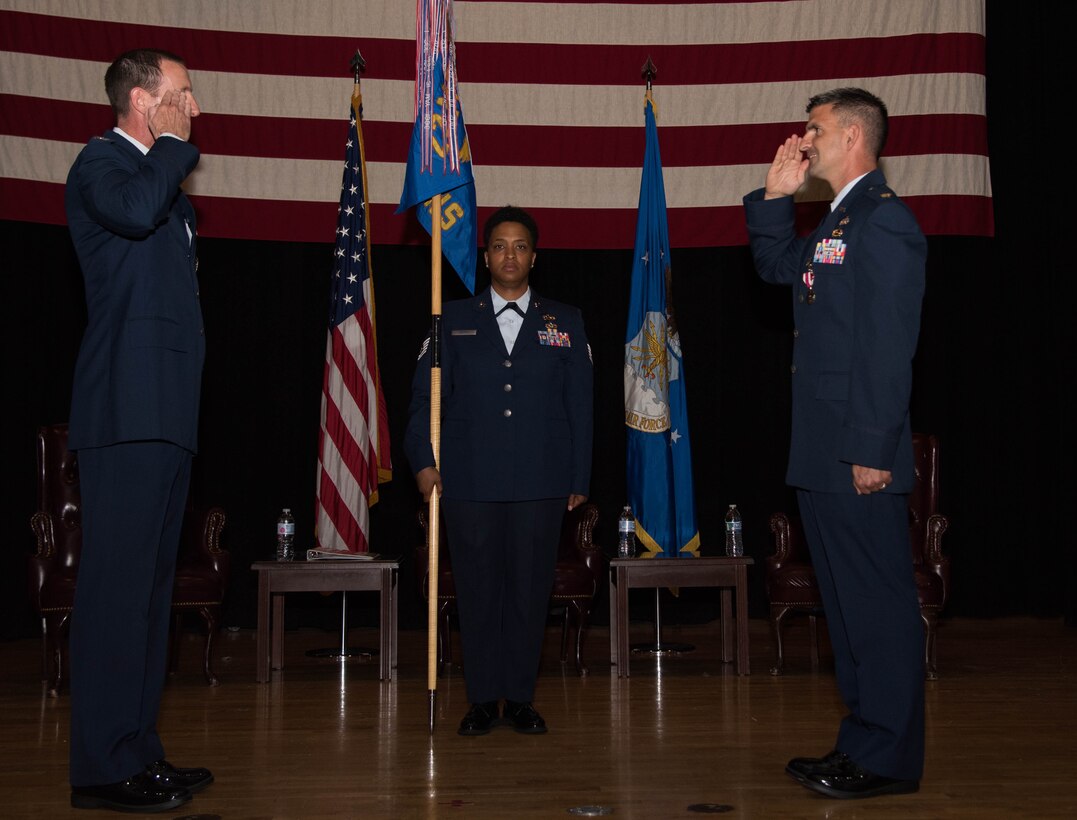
659 461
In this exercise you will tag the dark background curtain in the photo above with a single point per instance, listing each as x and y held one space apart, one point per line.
993 378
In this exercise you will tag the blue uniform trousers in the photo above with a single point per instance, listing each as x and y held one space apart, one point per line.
133 497
862 559
503 560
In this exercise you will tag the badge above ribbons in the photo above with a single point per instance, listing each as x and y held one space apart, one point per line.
551 336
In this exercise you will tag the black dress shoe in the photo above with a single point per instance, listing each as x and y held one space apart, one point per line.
479 718
168 776
844 780
138 794
524 718
800 767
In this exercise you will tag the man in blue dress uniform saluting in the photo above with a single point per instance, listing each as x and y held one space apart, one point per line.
857 284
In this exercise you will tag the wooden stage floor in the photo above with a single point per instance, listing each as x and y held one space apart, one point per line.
683 736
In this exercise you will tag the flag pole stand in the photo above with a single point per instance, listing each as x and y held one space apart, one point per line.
343 652
434 514
648 72
658 647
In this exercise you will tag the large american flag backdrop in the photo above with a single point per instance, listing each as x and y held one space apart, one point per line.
551 94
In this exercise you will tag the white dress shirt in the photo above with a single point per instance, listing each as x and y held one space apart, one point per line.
510 321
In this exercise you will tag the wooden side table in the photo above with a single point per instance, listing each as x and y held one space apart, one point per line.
348 575
728 574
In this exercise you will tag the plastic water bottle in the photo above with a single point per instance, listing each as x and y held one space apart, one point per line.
734 539
286 536
626 533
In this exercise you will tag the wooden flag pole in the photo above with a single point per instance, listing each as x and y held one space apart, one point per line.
433 514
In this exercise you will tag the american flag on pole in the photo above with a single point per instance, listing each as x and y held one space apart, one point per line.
552 105
353 444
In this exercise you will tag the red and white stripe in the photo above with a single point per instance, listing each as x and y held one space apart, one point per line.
354 424
552 98
353 440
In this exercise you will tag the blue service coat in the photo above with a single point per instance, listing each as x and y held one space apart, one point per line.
852 355
852 379
515 427
134 421
139 369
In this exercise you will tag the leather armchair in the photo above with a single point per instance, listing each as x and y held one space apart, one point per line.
790 580
201 572
580 564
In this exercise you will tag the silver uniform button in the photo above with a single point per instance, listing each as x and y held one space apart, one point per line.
507 413
507 363
792 368
508 388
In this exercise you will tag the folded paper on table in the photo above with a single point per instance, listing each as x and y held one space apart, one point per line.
323 555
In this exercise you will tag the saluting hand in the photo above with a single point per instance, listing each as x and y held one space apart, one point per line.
172 115
788 171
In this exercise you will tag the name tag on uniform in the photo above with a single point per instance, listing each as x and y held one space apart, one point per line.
471 332
830 252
